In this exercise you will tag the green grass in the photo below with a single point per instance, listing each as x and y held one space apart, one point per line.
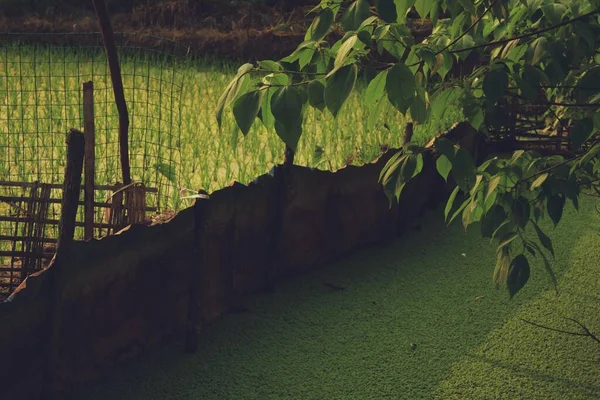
309 342
173 125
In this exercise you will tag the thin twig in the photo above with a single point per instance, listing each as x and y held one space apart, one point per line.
586 330
530 34
473 25
554 329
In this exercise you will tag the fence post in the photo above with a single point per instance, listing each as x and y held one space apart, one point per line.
66 232
408 133
200 213
117 81
90 158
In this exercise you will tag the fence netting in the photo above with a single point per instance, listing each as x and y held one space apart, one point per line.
41 98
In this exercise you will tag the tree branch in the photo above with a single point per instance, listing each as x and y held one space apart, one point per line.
473 25
588 333
554 329
530 34
552 167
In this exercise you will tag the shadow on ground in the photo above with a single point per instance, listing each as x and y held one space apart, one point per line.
418 319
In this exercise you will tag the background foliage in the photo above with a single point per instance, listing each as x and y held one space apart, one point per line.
529 53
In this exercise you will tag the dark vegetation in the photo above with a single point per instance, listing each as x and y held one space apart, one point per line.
239 30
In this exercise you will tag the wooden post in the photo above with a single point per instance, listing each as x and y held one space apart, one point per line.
66 231
117 82
408 133
288 157
191 335
90 158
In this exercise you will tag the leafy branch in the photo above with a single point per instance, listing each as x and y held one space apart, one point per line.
529 34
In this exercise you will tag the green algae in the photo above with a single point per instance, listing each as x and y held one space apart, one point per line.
409 324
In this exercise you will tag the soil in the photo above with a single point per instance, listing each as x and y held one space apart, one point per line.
240 33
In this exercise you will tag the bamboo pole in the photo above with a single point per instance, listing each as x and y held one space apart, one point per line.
66 232
90 159
117 82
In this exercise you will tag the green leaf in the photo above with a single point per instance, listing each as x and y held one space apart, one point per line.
544 239
459 210
550 271
518 274
555 207
391 166
376 88
581 132
517 53
468 5
343 53
490 201
521 211
418 110
596 119
445 147
338 88
442 99
245 109
501 230
316 97
368 23
554 12
492 186
386 10
320 25
265 114
492 220
472 109
516 156
527 89
286 105
400 86
584 31
538 49
502 267
423 7
419 166
408 167
465 42
450 203
495 84
478 180
508 240
463 169
472 213
305 56
355 15
168 171
443 166
590 155
402 7
270 65
376 112
537 182
231 91
411 167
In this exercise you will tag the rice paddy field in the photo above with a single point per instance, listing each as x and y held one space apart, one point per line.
418 319
175 143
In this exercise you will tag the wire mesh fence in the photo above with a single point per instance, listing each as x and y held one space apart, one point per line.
41 98
41 77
